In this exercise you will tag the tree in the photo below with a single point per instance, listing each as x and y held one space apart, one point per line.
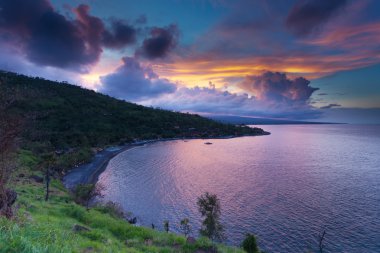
249 244
9 131
185 226
49 162
166 226
209 207
321 238
85 192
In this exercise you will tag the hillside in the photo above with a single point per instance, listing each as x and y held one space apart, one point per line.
69 119
57 126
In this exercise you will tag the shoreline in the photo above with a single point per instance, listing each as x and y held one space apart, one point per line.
89 173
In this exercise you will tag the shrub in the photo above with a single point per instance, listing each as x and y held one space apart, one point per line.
209 207
249 244
112 208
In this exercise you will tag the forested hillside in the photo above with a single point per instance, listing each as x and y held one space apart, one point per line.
59 117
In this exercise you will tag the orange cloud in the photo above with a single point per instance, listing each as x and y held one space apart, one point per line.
200 71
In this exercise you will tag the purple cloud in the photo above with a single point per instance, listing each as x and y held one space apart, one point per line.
210 100
275 89
135 82
308 15
160 42
120 35
330 106
49 38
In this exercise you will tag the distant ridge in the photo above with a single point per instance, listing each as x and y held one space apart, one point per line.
261 121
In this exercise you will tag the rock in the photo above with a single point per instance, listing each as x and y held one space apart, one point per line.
191 240
36 178
79 228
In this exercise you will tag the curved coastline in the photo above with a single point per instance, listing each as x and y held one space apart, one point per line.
89 173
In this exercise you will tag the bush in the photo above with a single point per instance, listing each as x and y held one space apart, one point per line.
249 244
113 209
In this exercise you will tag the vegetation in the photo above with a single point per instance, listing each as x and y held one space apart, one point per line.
84 193
52 226
249 244
71 120
47 128
166 226
185 226
209 207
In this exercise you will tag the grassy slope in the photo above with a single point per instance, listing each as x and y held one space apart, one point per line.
42 226
61 116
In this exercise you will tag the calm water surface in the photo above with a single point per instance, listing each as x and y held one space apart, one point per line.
286 188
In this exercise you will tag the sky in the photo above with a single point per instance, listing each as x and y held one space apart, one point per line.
314 60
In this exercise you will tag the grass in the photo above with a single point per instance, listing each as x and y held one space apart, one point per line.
41 226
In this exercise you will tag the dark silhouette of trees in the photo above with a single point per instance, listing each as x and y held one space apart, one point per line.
185 226
209 207
9 131
85 192
166 226
321 238
249 244
49 161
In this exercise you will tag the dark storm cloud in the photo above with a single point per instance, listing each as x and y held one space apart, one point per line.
48 38
135 82
277 89
308 15
160 42
330 106
121 34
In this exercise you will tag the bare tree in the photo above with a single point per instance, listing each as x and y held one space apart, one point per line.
50 160
321 238
9 130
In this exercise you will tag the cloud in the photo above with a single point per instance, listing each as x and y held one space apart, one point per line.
135 82
121 34
275 89
49 38
160 42
330 106
210 100
308 15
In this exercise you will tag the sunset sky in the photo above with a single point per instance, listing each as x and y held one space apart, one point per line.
315 60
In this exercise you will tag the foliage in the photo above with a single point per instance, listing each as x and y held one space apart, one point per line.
83 193
9 131
185 226
111 208
47 227
70 120
209 207
166 226
249 244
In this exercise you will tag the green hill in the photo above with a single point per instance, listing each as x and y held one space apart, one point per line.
59 126
60 116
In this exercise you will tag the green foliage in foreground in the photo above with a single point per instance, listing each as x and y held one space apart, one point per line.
41 226
249 244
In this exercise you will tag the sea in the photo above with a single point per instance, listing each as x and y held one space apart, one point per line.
286 188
